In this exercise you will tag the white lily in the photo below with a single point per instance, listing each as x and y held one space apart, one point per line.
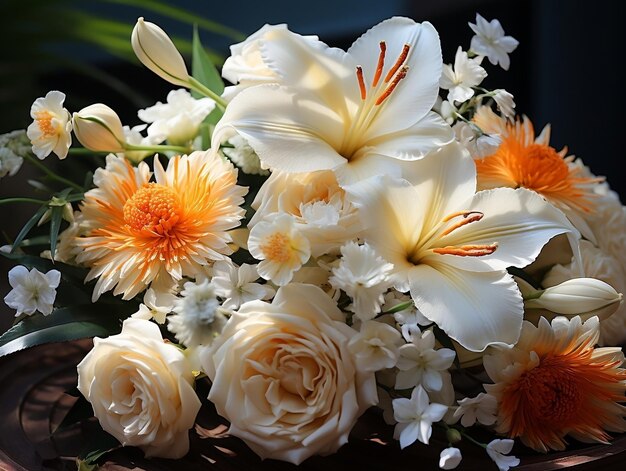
451 246
354 112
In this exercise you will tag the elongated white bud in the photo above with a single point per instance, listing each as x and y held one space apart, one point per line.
99 128
578 296
154 48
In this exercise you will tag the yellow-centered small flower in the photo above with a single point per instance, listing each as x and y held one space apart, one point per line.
157 52
99 128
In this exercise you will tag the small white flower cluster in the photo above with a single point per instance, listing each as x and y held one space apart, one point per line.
463 82
13 147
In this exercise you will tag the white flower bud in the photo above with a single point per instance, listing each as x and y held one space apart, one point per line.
450 458
577 296
157 52
98 128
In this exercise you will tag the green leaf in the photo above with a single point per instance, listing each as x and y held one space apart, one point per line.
68 323
400 307
56 216
98 443
27 227
205 72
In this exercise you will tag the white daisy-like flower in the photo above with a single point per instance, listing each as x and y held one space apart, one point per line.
490 41
498 451
198 319
460 80
236 285
32 290
450 458
52 126
179 119
415 417
13 146
375 346
156 305
482 408
243 156
364 276
505 103
420 364
281 248
409 319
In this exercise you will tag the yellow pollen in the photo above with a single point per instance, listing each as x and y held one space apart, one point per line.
44 121
277 248
396 80
381 63
468 217
154 208
467 250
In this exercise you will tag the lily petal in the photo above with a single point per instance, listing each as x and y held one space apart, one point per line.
485 308
284 128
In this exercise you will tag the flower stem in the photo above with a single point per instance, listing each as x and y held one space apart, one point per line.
84 151
157 148
22 200
198 87
51 174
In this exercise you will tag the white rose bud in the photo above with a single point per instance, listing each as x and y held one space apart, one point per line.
99 128
141 389
577 296
157 52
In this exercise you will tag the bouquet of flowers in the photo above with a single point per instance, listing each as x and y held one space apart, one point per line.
333 231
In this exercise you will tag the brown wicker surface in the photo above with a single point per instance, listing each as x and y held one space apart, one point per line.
33 402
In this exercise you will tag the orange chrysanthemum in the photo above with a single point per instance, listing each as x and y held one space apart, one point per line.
137 233
554 383
523 160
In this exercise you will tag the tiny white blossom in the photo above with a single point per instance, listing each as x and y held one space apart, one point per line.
198 319
498 451
135 137
467 73
448 112
505 102
415 417
475 141
32 290
236 285
156 305
281 248
179 119
409 319
243 156
52 126
450 458
420 364
375 346
490 41
13 146
364 276
482 408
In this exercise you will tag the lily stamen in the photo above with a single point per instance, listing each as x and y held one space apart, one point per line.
359 76
468 217
396 80
467 250
381 63
401 59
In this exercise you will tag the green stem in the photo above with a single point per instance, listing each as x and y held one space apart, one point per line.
157 148
22 200
84 151
475 442
200 88
51 174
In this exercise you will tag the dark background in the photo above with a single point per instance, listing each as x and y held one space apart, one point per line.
564 72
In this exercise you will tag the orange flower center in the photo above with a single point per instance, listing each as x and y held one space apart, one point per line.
542 169
276 248
550 392
44 121
154 208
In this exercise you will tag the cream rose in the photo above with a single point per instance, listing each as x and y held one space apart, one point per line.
284 377
141 389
